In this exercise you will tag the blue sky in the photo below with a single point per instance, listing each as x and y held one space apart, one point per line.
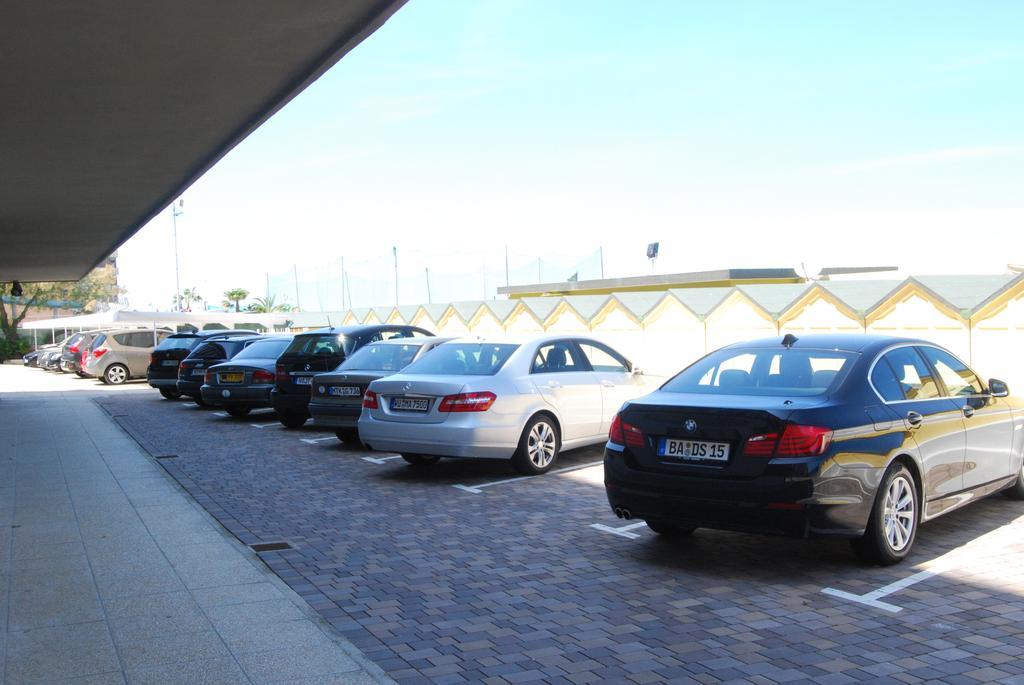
736 133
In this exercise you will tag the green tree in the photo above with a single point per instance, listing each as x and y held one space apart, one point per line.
190 295
99 286
268 305
234 297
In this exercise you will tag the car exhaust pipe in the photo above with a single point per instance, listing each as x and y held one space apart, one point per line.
618 511
626 514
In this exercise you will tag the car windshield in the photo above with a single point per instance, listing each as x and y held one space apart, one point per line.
381 357
264 349
182 343
320 345
463 359
764 372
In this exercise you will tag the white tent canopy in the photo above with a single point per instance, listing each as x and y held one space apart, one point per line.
132 319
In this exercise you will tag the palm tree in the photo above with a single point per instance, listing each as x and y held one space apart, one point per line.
268 304
190 295
234 296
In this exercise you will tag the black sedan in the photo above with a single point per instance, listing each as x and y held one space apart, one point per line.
319 351
244 383
855 436
162 372
337 397
214 350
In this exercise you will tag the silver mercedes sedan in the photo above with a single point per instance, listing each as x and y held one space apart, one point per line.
500 398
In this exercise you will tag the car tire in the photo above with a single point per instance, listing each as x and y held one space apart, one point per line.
421 459
169 394
539 446
349 436
238 412
116 374
887 540
200 402
1016 491
291 420
670 530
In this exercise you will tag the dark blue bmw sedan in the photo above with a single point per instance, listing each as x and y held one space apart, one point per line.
857 436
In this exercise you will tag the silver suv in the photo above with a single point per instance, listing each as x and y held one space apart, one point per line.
119 355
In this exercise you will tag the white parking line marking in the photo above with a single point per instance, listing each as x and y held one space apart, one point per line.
221 413
476 489
264 425
988 547
624 531
381 460
313 441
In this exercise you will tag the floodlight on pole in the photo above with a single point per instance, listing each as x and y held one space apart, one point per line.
177 208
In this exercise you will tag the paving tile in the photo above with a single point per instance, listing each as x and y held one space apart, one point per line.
285 664
236 594
171 648
52 653
225 671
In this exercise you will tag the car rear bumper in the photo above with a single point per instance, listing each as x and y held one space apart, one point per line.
289 404
249 396
775 504
447 439
190 388
155 382
333 415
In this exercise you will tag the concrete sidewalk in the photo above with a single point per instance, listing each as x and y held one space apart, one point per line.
109 573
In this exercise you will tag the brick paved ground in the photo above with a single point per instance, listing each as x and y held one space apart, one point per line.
513 584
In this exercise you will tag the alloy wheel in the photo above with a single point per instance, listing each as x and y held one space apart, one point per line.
899 514
117 375
540 445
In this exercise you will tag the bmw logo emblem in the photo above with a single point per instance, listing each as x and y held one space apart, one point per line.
307 367
321 389
407 387
225 393
690 425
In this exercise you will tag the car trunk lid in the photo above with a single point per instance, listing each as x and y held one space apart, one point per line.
414 398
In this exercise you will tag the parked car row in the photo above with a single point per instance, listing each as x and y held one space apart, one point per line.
856 436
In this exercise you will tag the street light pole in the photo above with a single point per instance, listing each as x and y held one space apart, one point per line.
176 209
394 253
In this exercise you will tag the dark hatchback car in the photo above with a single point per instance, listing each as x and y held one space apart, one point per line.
319 351
244 383
71 355
336 399
162 372
213 350
857 436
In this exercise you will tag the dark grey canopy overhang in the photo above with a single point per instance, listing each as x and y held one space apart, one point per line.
110 109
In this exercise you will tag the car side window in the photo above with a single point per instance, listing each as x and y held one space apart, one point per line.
557 357
389 335
959 380
913 375
603 358
142 339
123 339
885 382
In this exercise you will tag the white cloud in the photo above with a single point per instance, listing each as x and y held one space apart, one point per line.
956 154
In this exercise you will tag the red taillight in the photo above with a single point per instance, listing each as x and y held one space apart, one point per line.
467 401
208 377
152 359
622 433
370 400
261 376
281 373
73 349
99 353
796 441
182 371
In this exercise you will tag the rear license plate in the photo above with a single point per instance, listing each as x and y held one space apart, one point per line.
344 391
169 362
198 372
231 377
695 450
303 380
408 404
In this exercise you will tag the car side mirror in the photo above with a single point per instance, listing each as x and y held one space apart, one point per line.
637 371
998 388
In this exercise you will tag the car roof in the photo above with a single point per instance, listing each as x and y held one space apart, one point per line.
212 332
433 340
862 343
360 329
525 338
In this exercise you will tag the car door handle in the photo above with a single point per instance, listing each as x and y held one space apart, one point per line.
554 384
914 419
968 411
607 384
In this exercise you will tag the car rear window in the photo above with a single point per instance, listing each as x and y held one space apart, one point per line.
320 345
100 339
209 350
463 359
264 349
185 342
764 372
381 357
